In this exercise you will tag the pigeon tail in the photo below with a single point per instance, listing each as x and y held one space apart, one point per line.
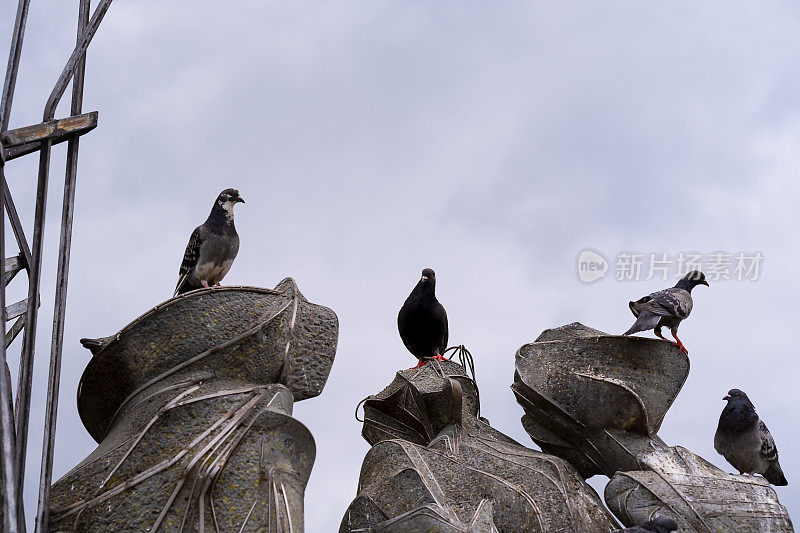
182 286
775 476
644 321
633 329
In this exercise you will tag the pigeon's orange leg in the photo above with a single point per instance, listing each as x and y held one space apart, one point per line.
678 341
436 357
205 284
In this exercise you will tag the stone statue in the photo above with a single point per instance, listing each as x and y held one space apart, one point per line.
435 466
191 404
598 400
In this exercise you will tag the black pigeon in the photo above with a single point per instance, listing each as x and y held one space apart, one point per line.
660 524
212 246
666 308
422 321
744 440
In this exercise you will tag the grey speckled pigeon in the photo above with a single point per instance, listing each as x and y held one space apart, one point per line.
666 308
744 440
659 524
422 321
212 246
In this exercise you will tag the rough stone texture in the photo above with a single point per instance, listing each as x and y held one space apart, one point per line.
434 466
191 404
598 400
254 334
701 496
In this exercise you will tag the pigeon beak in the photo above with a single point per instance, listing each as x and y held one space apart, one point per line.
726 398
424 278
240 199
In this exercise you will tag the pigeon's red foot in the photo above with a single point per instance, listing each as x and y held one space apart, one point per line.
205 284
421 362
438 357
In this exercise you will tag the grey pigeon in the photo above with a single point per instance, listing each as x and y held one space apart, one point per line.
659 524
666 308
212 246
422 321
744 440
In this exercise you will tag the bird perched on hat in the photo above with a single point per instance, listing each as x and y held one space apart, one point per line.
422 321
666 308
744 441
212 246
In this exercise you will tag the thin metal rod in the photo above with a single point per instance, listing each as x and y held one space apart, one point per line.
25 378
34 277
77 55
59 311
13 63
16 225
10 495
13 517
5 114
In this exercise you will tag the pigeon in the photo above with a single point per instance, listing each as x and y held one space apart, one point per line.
659 524
744 440
666 308
212 246
422 321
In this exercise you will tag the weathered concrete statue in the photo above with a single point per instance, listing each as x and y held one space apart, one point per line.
598 400
435 466
191 404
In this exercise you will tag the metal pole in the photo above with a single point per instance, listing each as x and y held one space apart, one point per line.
34 276
13 516
10 496
77 55
29 338
13 63
59 312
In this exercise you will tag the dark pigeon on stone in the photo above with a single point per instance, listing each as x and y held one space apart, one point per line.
666 308
660 524
212 247
744 440
422 321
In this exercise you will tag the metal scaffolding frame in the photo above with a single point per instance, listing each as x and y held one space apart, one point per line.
15 415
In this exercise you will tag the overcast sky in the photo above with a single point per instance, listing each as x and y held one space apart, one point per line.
490 141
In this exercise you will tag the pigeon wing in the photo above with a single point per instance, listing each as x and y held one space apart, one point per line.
648 312
446 332
768 450
190 256
674 302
